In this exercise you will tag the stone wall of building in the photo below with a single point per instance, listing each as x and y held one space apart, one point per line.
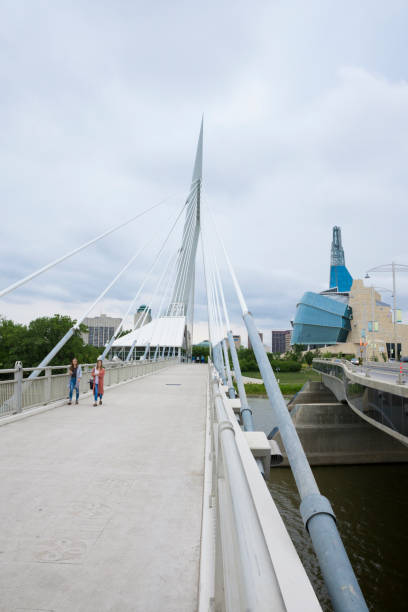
368 305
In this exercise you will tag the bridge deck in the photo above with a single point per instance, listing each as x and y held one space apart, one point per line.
101 507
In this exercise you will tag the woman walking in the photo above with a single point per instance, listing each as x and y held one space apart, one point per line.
75 373
98 374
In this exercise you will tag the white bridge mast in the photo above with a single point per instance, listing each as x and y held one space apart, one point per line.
182 302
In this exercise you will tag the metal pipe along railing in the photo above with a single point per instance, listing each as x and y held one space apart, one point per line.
316 511
257 587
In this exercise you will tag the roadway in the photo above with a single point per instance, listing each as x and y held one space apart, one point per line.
101 507
387 372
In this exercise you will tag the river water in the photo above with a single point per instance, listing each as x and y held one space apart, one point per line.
371 506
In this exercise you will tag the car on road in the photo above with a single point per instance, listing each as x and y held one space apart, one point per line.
404 359
355 361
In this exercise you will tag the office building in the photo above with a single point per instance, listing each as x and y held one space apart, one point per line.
100 329
281 341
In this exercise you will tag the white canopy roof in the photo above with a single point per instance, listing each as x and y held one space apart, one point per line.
165 331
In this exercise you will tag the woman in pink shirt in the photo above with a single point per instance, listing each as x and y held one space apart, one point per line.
98 374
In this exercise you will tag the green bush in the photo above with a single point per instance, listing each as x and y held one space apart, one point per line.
248 362
198 351
249 365
285 366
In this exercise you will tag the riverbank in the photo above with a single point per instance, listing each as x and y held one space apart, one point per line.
289 382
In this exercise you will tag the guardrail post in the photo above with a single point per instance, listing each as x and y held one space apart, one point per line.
18 377
47 392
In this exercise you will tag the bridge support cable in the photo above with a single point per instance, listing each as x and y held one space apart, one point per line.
188 242
215 293
149 272
231 390
209 310
169 265
188 233
146 350
213 319
71 331
316 511
246 412
222 332
215 336
59 260
217 354
218 323
185 256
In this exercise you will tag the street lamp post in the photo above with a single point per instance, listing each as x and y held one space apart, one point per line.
392 267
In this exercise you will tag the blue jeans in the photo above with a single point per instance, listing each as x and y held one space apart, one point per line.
96 392
72 384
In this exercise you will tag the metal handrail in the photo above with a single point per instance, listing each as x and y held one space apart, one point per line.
21 393
253 569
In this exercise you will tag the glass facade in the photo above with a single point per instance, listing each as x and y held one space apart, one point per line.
321 320
341 278
99 336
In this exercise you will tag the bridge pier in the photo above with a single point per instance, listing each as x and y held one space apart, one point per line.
332 434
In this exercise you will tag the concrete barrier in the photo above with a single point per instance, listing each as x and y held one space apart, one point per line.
332 434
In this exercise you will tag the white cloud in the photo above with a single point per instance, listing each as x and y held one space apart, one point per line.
306 125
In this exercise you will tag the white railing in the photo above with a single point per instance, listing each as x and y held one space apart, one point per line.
18 394
253 564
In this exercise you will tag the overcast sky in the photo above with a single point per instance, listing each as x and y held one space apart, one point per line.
306 127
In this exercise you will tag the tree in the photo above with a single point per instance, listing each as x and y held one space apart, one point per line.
308 357
13 343
30 344
199 351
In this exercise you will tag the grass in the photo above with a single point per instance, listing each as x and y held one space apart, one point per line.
259 389
290 378
289 382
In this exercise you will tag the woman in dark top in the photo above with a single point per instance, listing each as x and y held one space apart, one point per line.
75 373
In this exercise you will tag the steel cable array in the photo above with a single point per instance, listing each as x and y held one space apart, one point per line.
59 260
146 278
71 331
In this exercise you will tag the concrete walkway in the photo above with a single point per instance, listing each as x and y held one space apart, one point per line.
101 507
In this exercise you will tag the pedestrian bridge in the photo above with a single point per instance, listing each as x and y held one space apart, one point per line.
157 499
131 506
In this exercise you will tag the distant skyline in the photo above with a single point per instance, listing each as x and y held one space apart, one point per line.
305 127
